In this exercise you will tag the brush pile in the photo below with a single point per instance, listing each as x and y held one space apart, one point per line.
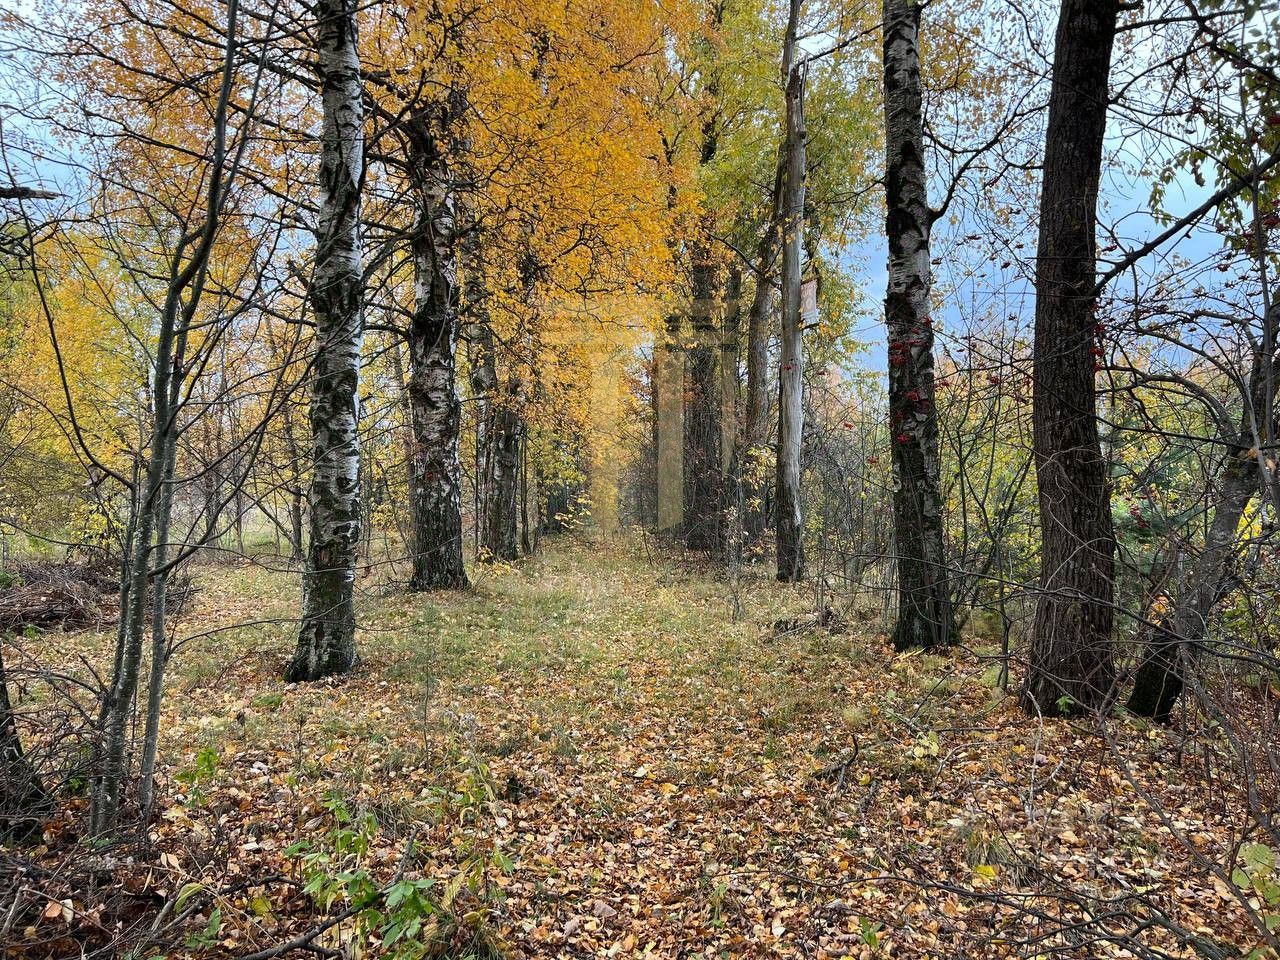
47 596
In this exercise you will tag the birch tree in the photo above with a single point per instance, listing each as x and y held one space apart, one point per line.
925 617
326 640
436 408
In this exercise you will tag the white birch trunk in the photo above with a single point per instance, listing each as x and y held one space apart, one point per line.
436 488
326 641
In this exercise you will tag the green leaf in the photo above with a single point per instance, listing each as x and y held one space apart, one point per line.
1258 857
185 894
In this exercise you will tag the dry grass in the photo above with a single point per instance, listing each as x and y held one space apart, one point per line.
648 769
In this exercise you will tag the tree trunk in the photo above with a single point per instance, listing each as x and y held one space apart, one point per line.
791 374
703 458
406 439
326 641
925 617
499 533
297 510
296 494
23 798
151 531
483 375
752 452
668 387
703 453
730 356
436 491
1160 678
152 508
526 535
731 426
239 507
1071 662
498 431
159 614
1161 675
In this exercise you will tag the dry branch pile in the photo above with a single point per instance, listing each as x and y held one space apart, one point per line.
67 595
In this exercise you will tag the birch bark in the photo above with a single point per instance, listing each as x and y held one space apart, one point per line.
326 640
925 617
436 489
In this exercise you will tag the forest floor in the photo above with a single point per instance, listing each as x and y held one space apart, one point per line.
592 755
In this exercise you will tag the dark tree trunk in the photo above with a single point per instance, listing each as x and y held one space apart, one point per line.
152 502
703 450
730 357
436 489
668 428
297 501
407 441
297 495
499 425
527 528
731 425
326 640
703 463
499 534
790 525
1071 662
561 501
24 802
752 451
925 616
484 386
159 615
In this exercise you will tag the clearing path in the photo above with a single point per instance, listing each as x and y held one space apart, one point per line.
606 765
